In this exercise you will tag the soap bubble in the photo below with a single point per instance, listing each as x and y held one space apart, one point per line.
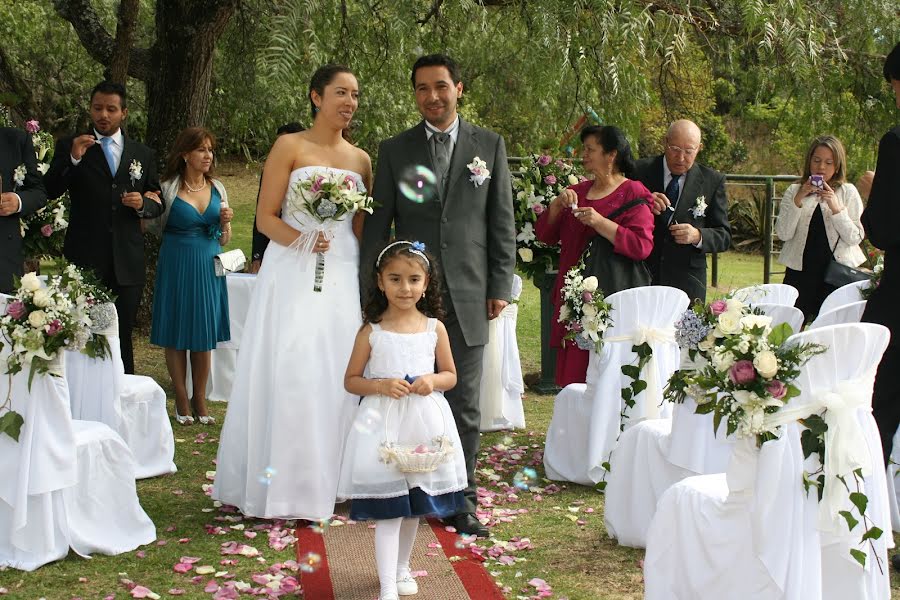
418 184
320 527
524 478
310 562
367 421
266 476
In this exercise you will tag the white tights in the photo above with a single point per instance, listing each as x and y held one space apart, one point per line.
394 539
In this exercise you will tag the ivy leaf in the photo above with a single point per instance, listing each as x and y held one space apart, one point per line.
872 534
860 501
626 394
780 334
816 424
601 486
643 351
605 466
631 371
11 424
851 520
859 555
638 386
809 442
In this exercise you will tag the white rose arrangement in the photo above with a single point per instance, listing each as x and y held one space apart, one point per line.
584 310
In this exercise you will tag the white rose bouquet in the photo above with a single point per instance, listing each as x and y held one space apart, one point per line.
327 196
536 183
749 371
44 230
584 310
92 305
38 324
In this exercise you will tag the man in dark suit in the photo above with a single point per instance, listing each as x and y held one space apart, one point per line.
881 220
21 193
691 211
467 223
112 184
260 241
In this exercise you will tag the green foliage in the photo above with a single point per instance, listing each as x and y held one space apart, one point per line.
11 424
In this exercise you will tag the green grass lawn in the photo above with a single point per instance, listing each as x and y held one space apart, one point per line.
569 547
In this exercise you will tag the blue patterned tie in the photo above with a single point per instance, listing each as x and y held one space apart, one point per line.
106 143
672 194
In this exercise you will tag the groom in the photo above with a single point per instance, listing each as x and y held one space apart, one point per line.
112 183
467 223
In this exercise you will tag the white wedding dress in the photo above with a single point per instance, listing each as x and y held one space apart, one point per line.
288 415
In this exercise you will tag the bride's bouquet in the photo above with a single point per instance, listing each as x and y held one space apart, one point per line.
584 310
327 196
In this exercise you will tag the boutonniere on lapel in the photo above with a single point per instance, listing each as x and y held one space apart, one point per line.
136 171
19 177
699 209
478 169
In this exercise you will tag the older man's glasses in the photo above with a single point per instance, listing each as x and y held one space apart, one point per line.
689 152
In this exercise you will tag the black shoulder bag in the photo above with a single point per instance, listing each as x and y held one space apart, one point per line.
837 274
613 271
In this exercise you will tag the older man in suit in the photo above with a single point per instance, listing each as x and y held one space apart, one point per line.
21 193
467 223
691 211
112 184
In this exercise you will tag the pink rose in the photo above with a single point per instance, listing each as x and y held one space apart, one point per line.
537 207
777 389
742 372
32 126
47 230
16 309
350 182
420 449
576 326
717 307
54 327
550 179
544 160
587 297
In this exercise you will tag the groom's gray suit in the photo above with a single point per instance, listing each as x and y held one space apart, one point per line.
471 230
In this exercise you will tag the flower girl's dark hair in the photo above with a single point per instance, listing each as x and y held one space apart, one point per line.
431 305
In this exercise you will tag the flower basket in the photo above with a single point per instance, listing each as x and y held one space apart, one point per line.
415 459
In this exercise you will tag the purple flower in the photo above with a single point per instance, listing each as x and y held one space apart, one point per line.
16 309
550 179
777 389
54 327
537 207
742 372
587 297
317 184
576 326
717 307
32 126
47 230
544 160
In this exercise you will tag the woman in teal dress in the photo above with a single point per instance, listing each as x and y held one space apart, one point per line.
190 304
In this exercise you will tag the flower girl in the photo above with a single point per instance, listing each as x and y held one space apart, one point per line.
403 458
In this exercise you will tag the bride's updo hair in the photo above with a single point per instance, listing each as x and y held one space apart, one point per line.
320 79
431 305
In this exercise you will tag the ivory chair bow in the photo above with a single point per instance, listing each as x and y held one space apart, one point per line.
654 336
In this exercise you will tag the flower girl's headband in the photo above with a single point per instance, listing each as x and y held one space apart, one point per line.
417 248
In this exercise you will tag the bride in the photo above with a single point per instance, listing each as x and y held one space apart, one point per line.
288 415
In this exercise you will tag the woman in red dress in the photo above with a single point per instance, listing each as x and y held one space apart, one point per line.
579 213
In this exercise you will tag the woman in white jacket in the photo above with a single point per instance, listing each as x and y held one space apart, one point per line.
819 220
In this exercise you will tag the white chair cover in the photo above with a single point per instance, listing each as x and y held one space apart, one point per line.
502 385
60 490
753 533
847 313
783 313
131 405
846 294
770 293
893 483
223 360
587 416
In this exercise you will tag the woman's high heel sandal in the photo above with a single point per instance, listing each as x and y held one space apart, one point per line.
204 419
183 419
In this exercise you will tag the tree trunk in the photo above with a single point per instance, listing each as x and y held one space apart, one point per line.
127 19
179 87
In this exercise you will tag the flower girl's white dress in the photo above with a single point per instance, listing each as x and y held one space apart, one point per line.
379 490
288 415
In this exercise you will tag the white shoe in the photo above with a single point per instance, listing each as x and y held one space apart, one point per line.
389 597
407 586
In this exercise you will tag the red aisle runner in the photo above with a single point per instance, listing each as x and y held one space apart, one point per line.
475 579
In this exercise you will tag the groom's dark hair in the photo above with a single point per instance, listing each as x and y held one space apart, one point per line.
110 87
436 60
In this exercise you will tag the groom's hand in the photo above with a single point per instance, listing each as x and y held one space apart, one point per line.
495 307
81 144
133 200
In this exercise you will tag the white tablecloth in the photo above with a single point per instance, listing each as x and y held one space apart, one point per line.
224 357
